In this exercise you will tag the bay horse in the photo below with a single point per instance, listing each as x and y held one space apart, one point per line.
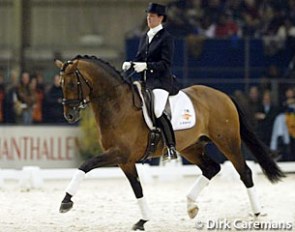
123 133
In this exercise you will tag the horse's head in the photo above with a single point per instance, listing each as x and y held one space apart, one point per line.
76 89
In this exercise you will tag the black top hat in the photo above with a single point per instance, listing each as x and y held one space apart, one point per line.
156 8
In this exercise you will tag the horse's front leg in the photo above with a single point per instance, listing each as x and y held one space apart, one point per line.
132 175
110 157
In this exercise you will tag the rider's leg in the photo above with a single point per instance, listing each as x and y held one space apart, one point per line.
161 97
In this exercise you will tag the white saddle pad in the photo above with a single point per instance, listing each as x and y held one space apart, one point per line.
183 114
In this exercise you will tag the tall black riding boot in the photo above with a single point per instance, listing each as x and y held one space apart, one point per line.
164 123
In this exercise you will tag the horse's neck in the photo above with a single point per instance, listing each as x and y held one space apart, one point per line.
104 84
110 100
110 114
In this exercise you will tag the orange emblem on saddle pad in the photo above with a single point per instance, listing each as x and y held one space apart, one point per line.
186 115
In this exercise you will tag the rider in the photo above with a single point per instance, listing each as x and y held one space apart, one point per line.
153 61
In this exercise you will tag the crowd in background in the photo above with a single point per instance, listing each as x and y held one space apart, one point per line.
272 20
28 100
262 112
225 18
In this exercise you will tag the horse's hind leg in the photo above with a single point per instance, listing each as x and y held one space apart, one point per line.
196 155
232 151
131 173
247 179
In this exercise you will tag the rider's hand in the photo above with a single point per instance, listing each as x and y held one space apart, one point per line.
126 65
139 66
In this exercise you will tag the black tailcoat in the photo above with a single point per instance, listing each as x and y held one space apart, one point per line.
158 55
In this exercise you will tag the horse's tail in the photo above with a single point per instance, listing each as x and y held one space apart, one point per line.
261 152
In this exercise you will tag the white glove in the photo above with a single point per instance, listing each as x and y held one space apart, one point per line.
139 66
126 65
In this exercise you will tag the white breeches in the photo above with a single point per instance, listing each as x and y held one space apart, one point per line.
161 97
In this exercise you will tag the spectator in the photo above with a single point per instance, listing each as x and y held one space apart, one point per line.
273 41
9 115
39 86
250 7
225 27
207 27
289 109
250 26
286 33
254 104
37 107
24 101
265 118
54 107
40 82
181 21
288 105
286 29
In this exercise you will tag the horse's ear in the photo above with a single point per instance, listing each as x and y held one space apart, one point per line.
72 67
58 63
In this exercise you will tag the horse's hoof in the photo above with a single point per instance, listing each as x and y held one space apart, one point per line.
139 225
66 206
192 209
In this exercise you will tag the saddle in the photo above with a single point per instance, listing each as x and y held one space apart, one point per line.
179 110
149 100
147 104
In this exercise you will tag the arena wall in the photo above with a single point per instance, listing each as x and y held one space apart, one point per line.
45 147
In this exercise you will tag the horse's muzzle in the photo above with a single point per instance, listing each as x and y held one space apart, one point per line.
72 116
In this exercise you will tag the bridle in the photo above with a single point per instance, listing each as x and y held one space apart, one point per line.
81 102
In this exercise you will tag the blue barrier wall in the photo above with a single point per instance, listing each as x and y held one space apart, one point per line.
221 59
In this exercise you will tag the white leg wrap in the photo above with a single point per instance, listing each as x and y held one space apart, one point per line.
197 187
75 182
254 200
144 209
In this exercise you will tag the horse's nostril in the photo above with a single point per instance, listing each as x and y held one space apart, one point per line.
70 116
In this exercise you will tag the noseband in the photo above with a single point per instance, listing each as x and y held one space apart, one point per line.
81 102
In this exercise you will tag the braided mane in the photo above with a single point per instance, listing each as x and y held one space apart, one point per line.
110 68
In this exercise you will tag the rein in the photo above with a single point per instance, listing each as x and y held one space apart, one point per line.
128 79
